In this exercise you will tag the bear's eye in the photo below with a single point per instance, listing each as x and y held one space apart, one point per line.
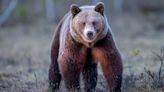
94 23
83 23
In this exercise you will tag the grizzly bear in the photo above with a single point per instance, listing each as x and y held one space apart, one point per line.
82 39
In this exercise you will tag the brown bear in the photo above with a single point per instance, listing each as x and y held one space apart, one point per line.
83 39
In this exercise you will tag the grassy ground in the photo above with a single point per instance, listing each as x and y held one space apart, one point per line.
25 49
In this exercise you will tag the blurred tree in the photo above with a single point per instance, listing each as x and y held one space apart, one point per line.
53 10
118 6
38 5
4 4
8 11
95 1
50 11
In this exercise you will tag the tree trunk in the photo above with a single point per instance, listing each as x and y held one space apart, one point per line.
8 12
118 6
38 7
50 11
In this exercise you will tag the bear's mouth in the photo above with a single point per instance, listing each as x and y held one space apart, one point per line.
89 40
90 45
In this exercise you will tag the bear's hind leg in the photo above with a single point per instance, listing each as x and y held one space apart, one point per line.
54 77
90 77
54 74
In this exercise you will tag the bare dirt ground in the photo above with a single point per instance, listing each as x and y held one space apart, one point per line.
25 51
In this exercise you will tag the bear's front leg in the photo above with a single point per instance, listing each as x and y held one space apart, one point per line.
112 68
70 73
111 63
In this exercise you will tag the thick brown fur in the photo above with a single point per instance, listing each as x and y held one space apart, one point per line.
70 57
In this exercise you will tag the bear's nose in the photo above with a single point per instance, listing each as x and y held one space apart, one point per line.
90 34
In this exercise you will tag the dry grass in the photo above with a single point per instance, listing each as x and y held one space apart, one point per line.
148 81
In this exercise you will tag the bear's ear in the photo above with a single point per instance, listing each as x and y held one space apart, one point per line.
100 8
75 9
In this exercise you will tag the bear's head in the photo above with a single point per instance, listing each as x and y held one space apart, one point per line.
88 24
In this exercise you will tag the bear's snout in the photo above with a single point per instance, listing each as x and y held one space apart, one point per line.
90 34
